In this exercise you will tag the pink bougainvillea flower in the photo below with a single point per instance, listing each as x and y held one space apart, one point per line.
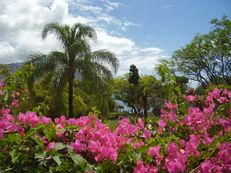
32 119
5 111
45 120
43 139
215 93
175 159
161 124
192 145
50 146
141 168
172 116
223 100
94 146
189 98
147 134
171 106
140 123
15 103
137 145
125 128
155 152
78 146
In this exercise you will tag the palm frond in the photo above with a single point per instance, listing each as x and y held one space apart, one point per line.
62 32
42 64
102 75
83 31
105 56
58 57
102 71
79 48
60 79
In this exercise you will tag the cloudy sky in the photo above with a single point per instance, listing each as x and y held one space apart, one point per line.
139 32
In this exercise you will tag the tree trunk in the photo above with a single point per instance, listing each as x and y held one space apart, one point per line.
70 93
70 98
135 109
145 104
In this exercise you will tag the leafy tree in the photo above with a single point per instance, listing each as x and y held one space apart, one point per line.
4 71
96 95
123 90
146 95
207 59
76 56
151 93
133 75
182 82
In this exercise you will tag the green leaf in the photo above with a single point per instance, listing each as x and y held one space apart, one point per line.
56 159
78 160
137 156
14 156
49 133
178 90
13 138
33 131
59 146
39 141
40 155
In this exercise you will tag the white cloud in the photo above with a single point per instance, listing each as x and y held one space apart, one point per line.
21 23
152 50
86 7
111 5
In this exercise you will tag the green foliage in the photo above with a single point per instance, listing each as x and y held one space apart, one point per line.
207 58
94 111
4 70
77 57
143 96
171 89
16 84
133 75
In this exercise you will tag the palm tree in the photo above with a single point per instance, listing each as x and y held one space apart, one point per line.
76 55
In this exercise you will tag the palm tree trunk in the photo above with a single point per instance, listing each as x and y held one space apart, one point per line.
70 97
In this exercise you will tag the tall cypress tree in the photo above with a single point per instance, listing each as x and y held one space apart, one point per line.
133 75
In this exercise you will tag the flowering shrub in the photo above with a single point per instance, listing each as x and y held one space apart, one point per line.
185 138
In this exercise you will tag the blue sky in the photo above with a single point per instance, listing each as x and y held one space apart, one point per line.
140 32
170 24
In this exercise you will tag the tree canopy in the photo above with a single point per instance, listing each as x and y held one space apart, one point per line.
207 59
76 56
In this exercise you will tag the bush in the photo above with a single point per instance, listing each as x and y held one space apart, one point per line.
188 137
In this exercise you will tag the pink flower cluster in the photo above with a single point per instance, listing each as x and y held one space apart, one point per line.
13 97
167 115
175 160
125 128
31 119
141 168
128 130
155 152
200 121
97 140
183 136
221 162
197 120
9 123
